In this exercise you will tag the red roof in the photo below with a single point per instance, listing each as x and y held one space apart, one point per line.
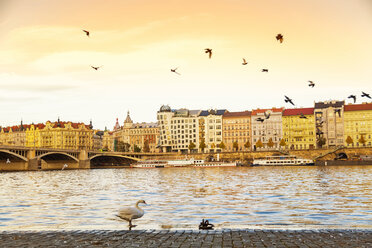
358 107
298 111
237 114
256 111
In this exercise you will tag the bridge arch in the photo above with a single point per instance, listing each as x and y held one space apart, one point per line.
13 154
110 160
55 154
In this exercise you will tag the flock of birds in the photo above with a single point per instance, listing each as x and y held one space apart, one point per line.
131 213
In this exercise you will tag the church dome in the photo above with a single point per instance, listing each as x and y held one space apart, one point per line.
165 108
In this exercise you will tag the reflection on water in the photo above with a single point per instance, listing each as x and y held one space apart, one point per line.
181 197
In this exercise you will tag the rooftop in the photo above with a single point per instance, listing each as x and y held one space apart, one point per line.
298 111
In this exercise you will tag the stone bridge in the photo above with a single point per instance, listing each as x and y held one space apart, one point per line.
25 158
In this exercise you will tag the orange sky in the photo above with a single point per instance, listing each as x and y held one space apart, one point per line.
45 57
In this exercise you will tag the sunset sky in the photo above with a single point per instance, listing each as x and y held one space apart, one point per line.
45 57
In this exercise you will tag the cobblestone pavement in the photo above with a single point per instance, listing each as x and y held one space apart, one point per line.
218 238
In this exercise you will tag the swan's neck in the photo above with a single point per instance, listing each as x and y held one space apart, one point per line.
137 206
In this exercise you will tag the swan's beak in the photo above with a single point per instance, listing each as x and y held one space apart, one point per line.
144 202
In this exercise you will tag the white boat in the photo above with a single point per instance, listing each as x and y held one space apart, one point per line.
180 163
281 161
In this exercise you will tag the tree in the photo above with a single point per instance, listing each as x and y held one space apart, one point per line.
321 141
282 143
362 140
247 144
122 146
146 146
259 143
136 148
192 146
202 145
235 145
349 140
222 145
270 143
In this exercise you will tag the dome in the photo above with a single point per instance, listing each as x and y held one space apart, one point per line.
165 108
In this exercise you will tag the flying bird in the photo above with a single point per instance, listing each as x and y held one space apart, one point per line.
319 132
265 70
311 84
131 213
279 37
287 99
260 119
365 95
338 111
267 116
302 116
209 51
175 71
86 32
244 62
352 96
96 67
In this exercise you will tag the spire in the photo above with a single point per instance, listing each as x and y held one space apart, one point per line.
128 119
117 126
21 127
91 124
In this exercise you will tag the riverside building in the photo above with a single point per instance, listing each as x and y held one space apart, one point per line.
210 129
329 123
299 128
237 129
267 134
358 125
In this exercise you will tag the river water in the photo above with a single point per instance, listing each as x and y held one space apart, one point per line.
178 198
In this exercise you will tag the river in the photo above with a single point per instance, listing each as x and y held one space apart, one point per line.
178 198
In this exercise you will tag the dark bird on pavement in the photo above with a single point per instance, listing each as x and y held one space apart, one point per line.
365 95
96 67
244 62
287 99
352 96
260 119
265 70
279 37
267 115
205 225
174 70
86 32
311 84
302 116
338 111
209 51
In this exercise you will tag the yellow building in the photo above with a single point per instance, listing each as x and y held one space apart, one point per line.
60 135
299 128
13 136
357 123
237 128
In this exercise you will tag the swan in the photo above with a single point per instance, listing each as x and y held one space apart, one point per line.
131 213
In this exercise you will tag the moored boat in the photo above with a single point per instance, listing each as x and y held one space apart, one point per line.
180 163
281 161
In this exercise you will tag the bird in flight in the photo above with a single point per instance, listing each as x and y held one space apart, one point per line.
86 32
175 71
209 51
311 84
244 62
352 96
287 99
279 37
302 116
260 119
265 70
96 67
267 115
365 95
338 111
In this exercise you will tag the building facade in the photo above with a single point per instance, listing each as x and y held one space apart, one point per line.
299 128
210 129
268 132
60 135
329 123
237 129
358 125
